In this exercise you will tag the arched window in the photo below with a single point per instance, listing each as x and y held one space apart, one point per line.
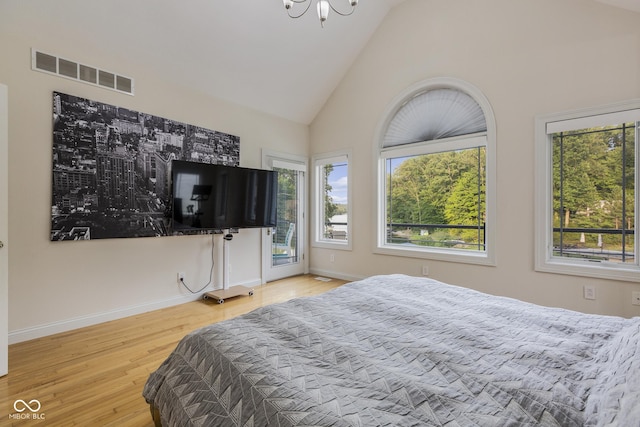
436 174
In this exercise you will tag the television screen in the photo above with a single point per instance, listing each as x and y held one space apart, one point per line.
216 197
259 201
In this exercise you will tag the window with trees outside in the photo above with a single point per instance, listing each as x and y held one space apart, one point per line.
436 179
587 201
331 196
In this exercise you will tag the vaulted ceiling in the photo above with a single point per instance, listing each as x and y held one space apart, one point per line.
248 52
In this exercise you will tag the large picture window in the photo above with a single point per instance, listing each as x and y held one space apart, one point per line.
436 174
587 199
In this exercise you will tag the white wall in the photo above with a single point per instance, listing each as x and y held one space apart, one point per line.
528 57
57 286
4 232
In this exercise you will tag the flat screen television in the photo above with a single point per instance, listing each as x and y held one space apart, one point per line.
216 197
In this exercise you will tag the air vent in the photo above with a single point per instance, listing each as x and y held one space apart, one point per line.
73 70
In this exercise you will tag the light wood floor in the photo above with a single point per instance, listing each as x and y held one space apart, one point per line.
94 376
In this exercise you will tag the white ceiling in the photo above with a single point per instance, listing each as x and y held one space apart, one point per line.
245 51
248 52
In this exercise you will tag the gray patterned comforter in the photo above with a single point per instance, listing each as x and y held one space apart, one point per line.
402 351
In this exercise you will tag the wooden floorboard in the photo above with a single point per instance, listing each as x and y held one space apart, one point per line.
94 376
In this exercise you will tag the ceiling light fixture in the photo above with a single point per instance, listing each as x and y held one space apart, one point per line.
323 7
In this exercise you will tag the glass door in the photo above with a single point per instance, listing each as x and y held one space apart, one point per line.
283 245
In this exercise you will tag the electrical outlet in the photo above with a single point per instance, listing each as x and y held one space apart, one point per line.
180 276
589 292
425 270
635 298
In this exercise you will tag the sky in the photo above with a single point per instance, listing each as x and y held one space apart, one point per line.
338 183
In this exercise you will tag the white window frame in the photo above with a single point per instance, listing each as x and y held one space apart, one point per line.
545 126
488 139
317 208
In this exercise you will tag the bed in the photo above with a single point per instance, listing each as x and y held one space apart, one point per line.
399 351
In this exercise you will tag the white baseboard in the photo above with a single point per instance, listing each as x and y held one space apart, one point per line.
66 325
335 274
40 331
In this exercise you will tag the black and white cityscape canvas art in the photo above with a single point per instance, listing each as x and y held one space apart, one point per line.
112 168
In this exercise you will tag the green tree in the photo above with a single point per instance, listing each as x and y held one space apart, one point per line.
440 188
577 159
287 202
330 208
588 177
412 198
465 204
